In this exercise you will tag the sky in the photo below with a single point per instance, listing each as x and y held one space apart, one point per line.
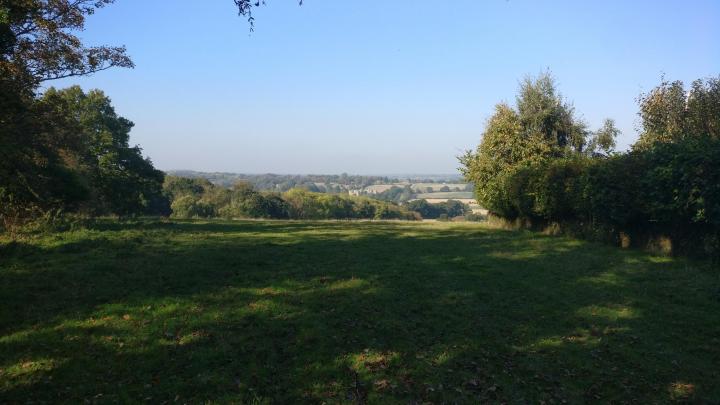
378 87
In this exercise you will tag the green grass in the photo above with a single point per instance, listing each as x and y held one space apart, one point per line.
342 312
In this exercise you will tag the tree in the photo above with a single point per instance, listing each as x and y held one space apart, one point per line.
175 186
501 149
455 208
603 141
542 127
120 180
424 208
37 42
545 116
670 114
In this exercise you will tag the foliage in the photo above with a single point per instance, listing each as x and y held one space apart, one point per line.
667 185
395 194
671 114
39 44
189 206
329 183
542 127
673 189
212 311
603 141
65 150
450 208
547 119
119 179
198 198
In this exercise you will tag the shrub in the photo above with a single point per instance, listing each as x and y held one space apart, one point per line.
664 189
189 206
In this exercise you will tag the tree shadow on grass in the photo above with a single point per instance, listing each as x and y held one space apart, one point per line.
338 312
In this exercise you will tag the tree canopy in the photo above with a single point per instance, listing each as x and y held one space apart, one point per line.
669 113
542 126
65 149
37 41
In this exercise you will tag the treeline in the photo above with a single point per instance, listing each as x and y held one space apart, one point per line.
70 152
285 182
538 164
395 194
64 150
332 183
444 210
199 198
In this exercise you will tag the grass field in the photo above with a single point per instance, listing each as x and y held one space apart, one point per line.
343 312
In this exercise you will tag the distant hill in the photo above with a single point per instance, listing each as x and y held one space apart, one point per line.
333 183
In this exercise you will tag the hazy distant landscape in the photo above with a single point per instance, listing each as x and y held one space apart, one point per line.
436 188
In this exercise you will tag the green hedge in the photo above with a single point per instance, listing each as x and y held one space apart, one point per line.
669 189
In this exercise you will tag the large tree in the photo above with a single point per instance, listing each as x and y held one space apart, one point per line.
65 147
541 127
118 178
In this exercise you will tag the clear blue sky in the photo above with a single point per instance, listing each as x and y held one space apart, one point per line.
399 86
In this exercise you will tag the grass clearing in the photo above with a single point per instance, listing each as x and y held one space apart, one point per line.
340 312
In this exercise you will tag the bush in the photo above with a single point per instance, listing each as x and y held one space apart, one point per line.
666 189
450 208
189 206
475 218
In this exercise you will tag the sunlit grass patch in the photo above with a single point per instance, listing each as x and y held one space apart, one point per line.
20 372
681 390
614 312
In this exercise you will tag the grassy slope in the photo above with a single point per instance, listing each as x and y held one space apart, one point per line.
342 312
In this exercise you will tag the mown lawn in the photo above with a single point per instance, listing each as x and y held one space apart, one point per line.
341 312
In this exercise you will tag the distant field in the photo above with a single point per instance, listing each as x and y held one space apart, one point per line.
379 188
437 186
458 195
349 312
418 187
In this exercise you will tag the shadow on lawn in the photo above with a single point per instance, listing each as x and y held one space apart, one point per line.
351 312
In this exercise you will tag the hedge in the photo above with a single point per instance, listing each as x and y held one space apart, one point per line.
669 190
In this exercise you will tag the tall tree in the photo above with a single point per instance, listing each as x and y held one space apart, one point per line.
37 43
544 112
543 126
669 113
119 179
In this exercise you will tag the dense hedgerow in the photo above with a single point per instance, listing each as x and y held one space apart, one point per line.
666 189
538 163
